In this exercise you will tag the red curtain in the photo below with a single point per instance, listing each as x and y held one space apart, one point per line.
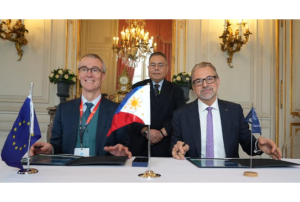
161 30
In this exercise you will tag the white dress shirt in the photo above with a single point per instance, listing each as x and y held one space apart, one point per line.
219 150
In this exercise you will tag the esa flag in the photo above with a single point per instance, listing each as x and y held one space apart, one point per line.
135 107
16 144
252 119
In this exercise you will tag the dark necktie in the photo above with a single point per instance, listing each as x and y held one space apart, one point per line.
156 91
88 109
209 135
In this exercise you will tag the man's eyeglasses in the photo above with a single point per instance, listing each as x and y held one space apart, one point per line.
209 80
160 65
94 70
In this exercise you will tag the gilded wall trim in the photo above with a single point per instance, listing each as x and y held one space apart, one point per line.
173 46
285 70
184 54
291 65
67 40
277 81
296 129
78 54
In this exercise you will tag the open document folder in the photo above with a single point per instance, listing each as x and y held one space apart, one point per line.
239 163
72 160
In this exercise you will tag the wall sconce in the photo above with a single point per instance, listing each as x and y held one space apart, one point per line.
14 34
232 42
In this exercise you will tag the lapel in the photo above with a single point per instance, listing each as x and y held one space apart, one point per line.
102 118
194 122
225 122
74 116
157 106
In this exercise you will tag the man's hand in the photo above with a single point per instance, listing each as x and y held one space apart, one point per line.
269 147
40 148
155 136
118 150
179 150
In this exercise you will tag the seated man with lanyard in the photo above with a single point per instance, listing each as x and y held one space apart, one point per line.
80 126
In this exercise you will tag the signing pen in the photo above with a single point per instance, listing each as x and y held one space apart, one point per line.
38 147
182 146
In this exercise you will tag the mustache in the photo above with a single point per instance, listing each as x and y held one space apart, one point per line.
206 88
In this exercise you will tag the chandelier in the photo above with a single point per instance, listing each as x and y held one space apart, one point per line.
135 44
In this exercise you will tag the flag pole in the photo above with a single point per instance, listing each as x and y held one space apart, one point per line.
29 170
149 173
251 173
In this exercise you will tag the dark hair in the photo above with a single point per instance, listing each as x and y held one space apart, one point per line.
104 94
93 55
160 54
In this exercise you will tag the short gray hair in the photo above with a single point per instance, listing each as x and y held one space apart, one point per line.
93 55
201 65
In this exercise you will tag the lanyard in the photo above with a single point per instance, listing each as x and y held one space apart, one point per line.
87 121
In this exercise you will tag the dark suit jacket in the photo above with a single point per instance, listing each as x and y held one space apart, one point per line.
171 97
186 126
66 124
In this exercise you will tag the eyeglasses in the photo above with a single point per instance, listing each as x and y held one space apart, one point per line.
94 70
209 80
160 65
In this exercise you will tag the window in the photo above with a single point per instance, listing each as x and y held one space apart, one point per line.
141 71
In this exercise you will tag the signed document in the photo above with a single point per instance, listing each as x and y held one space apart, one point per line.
73 160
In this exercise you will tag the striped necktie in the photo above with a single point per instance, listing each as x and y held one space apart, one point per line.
156 91
209 134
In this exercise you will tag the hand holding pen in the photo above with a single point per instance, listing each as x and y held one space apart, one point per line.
40 148
179 150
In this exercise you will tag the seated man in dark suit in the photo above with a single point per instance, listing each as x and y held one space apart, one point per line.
164 100
214 128
80 126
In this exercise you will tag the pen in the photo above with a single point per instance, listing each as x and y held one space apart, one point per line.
182 146
38 147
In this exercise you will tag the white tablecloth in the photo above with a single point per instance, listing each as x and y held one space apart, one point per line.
171 170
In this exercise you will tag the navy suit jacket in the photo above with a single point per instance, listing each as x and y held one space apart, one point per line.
170 98
186 126
66 124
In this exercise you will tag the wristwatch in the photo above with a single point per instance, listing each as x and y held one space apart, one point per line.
145 133
257 150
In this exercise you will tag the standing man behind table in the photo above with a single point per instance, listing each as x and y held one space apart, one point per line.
214 128
81 125
164 101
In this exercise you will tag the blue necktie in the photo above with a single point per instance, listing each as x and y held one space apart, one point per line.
209 135
88 110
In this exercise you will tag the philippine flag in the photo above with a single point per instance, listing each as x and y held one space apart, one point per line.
135 107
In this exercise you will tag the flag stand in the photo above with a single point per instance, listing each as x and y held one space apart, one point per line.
29 170
149 173
251 173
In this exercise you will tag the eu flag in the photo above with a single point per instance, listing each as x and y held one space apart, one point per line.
252 119
16 144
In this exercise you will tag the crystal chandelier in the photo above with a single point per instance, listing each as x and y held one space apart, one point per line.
135 45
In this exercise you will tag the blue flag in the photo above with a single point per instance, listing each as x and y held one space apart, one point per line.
16 144
252 119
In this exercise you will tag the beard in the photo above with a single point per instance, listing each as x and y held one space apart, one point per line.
206 96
